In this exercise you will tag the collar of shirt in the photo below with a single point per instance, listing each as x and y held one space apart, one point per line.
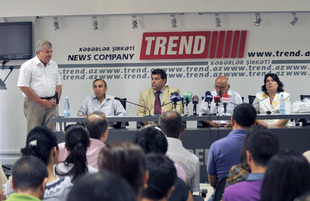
238 132
162 91
39 63
107 98
255 177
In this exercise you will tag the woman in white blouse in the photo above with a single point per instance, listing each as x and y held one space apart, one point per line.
268 100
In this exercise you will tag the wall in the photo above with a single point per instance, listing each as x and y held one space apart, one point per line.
274 34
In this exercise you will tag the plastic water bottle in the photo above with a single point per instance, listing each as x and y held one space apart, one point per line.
282 105
67 108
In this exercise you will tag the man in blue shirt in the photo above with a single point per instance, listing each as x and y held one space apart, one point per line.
225 153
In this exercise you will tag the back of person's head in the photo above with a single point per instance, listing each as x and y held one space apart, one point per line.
39 143
287 177
28 173
126 160
245 115
171 123
151 139
243 158
160 72
77 141
262 144
97 124
162 176
101 186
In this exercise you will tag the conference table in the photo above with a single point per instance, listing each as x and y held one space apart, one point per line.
198 140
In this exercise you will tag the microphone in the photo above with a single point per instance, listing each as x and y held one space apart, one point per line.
118 98
208 97
220 93
195 102
217 100
225 101
261 100
175 98
187 97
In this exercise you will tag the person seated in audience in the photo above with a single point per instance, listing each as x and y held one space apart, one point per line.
3 178
126 160
97 126
102 186
172 125
42 143
240 172
101 101
260 147
75 165
152 140
287 177
162 177
226 152
268 101
29 176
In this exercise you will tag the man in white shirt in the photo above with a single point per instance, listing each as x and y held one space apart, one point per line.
101 101
171 124
221 84
39 81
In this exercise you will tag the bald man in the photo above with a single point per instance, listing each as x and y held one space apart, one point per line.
221 84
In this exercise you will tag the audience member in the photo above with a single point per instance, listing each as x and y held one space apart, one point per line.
162 176
76 143
29 176
171 123
152 140
3 178
226 152
101 186
126 160
240 172
287 177
97 126
42 143
260 147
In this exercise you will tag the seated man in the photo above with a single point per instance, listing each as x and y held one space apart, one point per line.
101 101
221 84
97 126
171 124
29 176
226 152
260 147
157 98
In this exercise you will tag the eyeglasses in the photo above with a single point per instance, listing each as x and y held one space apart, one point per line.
219 87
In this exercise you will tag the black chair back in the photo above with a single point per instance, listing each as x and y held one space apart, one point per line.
219 190
251 99
302 97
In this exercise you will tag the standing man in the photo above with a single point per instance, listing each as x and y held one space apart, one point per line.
39 81
101 101
157 98
221 84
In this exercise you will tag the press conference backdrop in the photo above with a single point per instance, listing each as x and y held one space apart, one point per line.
124 57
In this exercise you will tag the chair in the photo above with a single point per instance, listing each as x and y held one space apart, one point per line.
219 190
121 124
251 99
302 97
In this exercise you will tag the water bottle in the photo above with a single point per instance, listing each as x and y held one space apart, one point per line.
67 108
282 105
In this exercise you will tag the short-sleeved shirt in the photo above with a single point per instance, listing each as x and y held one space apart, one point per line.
225 153
110 106
42 80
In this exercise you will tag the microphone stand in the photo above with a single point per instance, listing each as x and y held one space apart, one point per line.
186 103
116 98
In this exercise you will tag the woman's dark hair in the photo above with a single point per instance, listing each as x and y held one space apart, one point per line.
77 141
243 159
162 176
126 160
39 143
275 78
287 177
151 139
